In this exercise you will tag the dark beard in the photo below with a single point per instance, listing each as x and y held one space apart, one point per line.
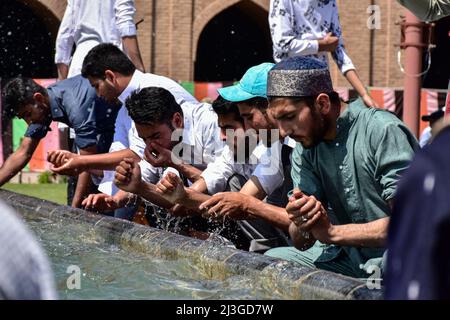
319 132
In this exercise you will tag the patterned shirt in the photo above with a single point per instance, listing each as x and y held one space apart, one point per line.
297 25
356 174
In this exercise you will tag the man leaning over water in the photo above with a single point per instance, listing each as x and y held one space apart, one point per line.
345 172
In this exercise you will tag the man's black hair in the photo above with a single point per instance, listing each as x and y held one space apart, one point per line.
224 107
17 94
258 102
151 106
106 56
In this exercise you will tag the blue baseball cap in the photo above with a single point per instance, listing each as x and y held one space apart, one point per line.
252 85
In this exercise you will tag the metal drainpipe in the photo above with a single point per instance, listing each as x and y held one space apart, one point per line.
372 50
413 67
153 39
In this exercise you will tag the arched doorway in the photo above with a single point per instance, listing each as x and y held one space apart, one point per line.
27 44
439 73
233 41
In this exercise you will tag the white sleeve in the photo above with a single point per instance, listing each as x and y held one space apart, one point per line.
107 185
64 39
217 173
270 170
180 94
137 145
125 11
149 173
120 140
152 175
285 41
213 146
340 55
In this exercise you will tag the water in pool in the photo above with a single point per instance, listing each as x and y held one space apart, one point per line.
110 272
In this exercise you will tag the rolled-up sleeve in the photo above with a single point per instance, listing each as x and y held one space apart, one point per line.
285 41
217 174
65 40
340 55
125 10
37 131
394 148
269 170
86 135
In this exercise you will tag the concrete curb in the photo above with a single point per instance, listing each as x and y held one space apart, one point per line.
289 279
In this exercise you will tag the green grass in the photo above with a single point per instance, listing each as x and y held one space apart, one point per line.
52 192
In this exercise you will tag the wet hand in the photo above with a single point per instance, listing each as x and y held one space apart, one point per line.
158 156
59 157
100 202
72 167
171 187
304 211
227 204
128 176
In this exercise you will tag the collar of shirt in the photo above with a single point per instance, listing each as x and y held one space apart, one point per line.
188 131
288 141
348 116
135 83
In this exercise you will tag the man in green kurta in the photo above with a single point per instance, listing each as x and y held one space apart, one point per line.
345 169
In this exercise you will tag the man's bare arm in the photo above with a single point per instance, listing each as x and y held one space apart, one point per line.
18 160
131 47
73 164
84 180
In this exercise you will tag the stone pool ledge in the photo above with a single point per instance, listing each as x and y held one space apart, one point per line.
287 279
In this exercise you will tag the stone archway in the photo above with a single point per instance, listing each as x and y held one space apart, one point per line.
50 11
213 9
28 33
438 75
233 40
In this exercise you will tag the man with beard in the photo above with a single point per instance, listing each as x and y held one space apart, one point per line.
345 172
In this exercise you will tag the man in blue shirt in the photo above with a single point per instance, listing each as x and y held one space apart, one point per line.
73 102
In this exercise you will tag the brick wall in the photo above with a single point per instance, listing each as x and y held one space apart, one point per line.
179 23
